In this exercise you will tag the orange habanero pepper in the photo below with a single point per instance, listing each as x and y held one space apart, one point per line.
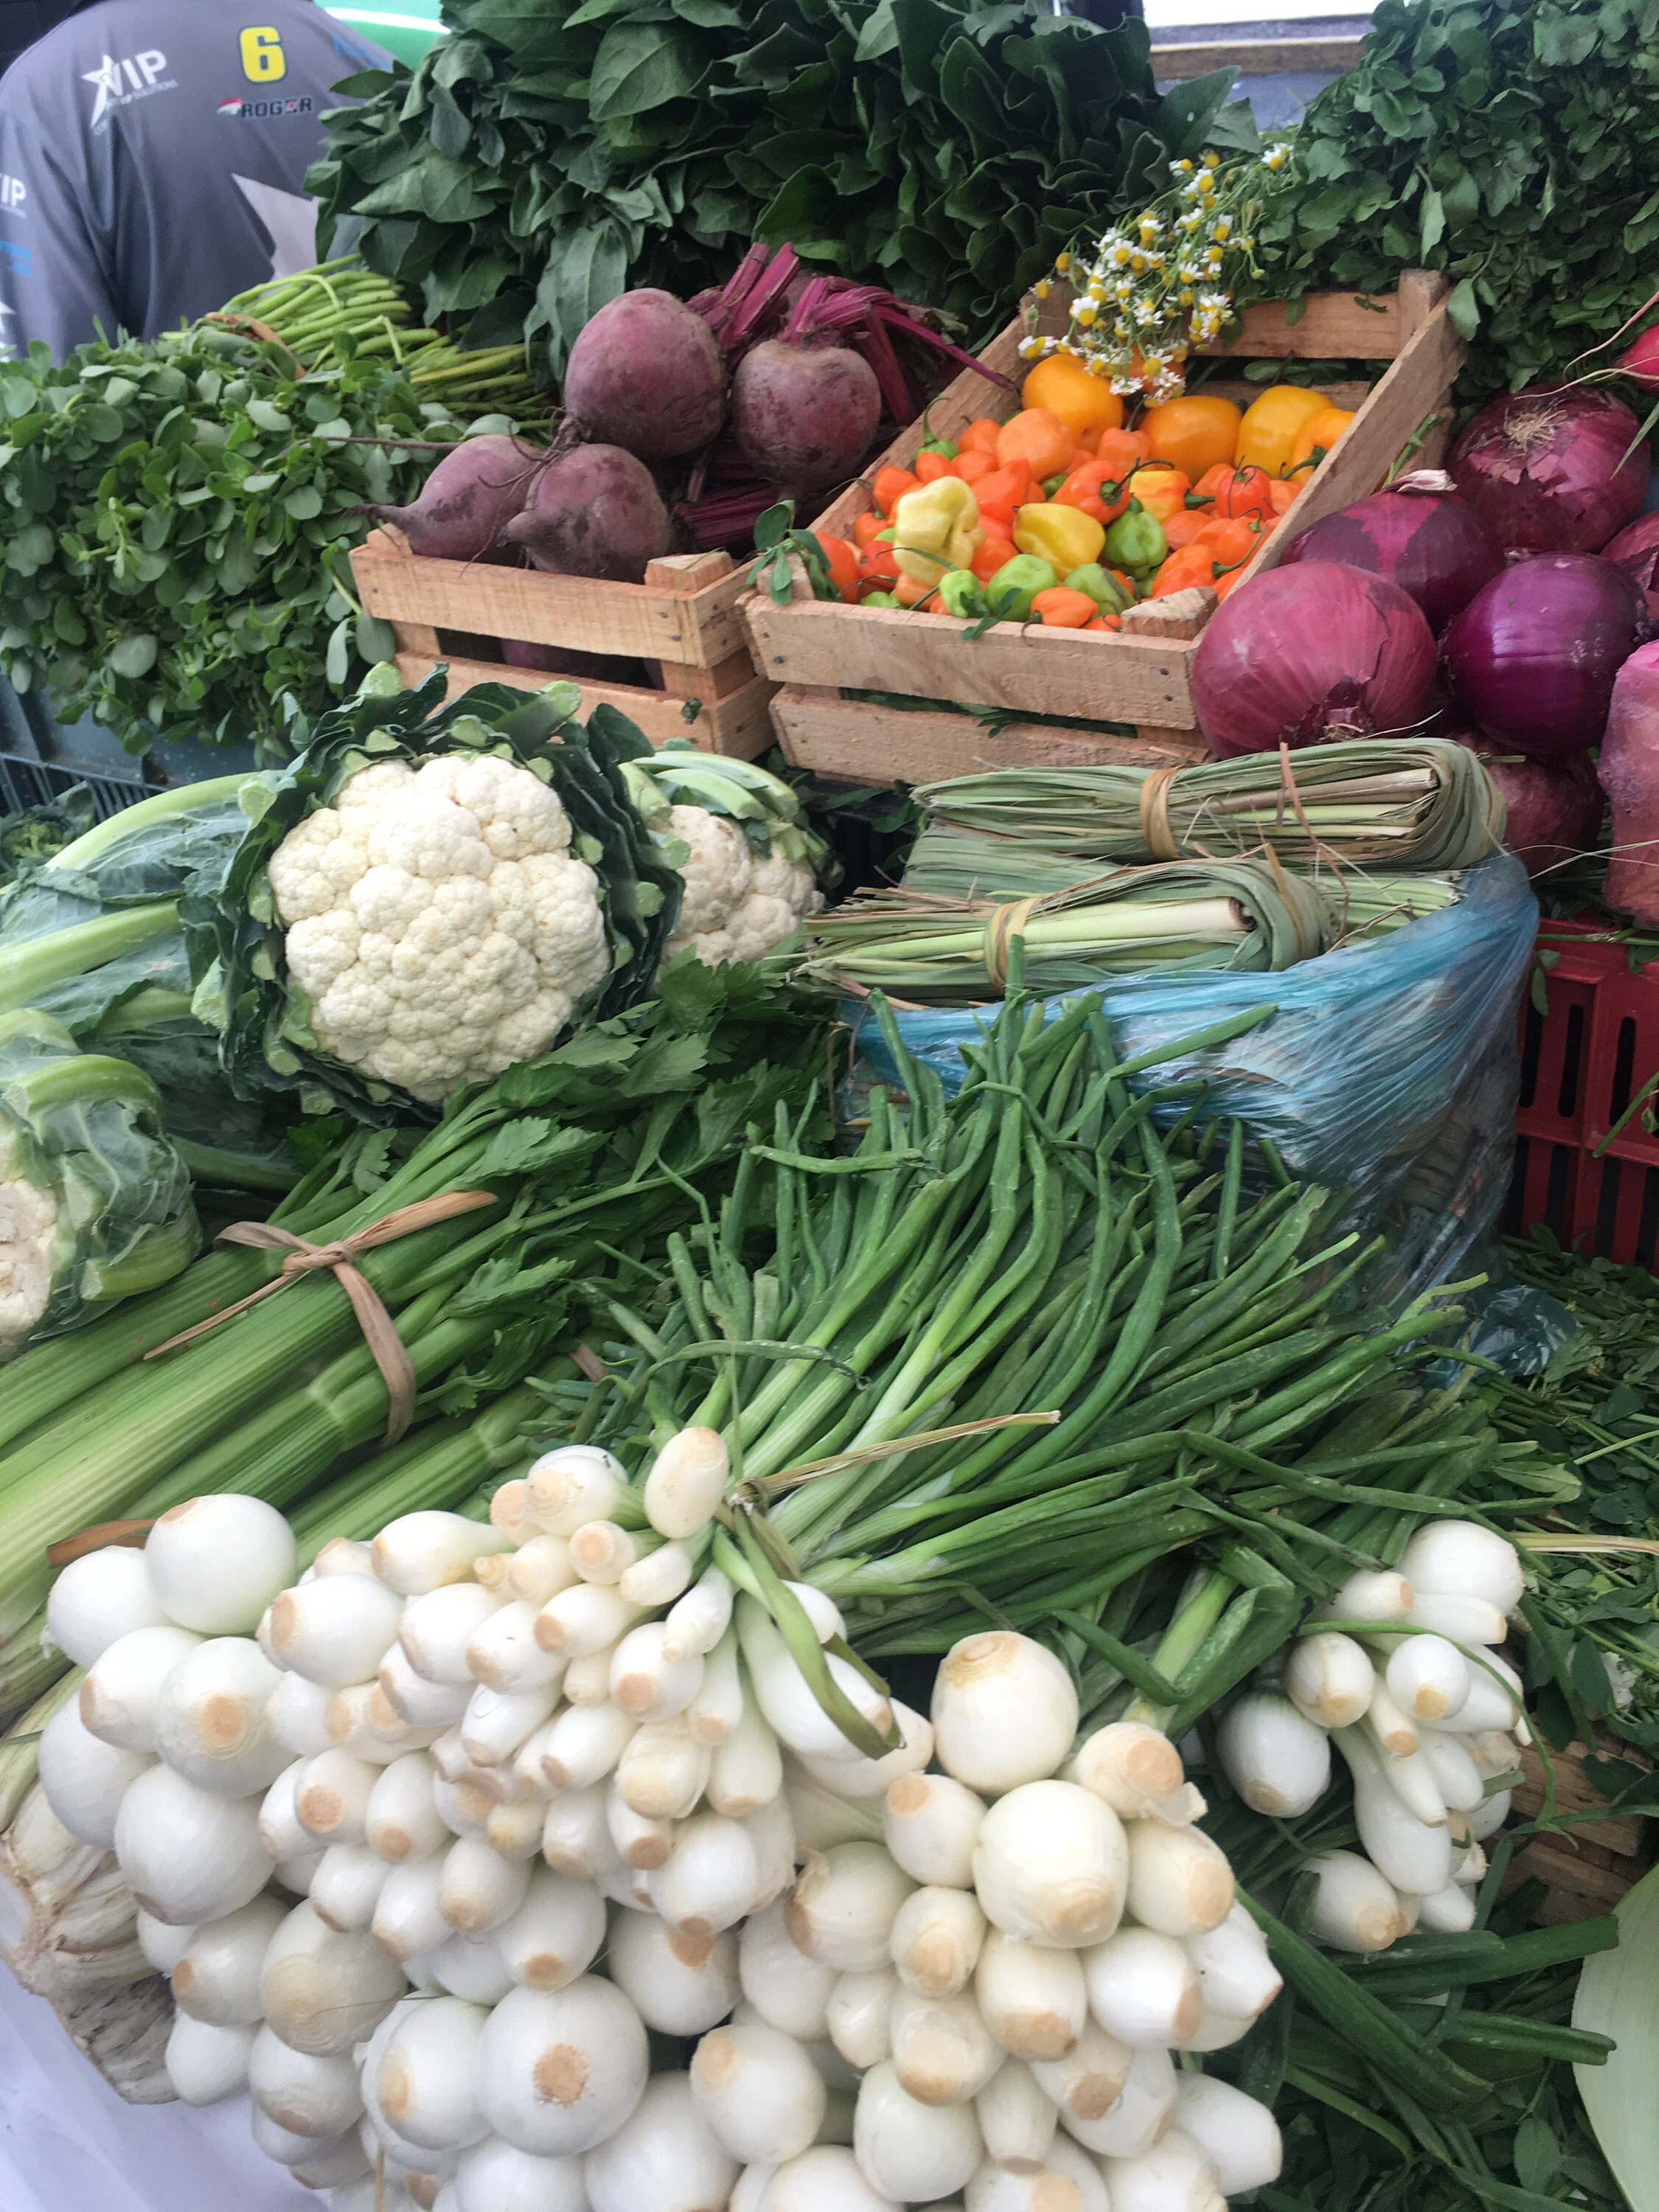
992 555
930 467
980 437
842 562
889 487
1039 438
1063 610
868 527
1244 491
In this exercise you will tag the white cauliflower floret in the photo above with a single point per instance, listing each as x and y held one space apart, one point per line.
736 905
437 922
717 875
28 1227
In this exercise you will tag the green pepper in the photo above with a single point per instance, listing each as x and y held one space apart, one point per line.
1136 539
1101 586
960 593
1010 592
931 443
878 599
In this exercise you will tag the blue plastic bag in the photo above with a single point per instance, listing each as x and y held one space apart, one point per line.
1389 1071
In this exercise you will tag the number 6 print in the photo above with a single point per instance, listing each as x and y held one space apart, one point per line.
262 59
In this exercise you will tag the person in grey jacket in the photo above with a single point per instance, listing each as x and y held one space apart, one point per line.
152 162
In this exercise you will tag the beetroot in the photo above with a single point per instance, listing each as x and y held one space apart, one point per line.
646 375
806 416
1419 534
595 512
1637 550
468 498
1629 770
1552 809
565 661
1552 470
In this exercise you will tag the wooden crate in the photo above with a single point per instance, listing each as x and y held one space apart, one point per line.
682 619
1588 1868
819 649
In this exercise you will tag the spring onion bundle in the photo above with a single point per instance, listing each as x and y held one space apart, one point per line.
1417 803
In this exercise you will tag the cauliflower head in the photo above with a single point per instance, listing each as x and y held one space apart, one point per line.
29 1256
437 922
736 906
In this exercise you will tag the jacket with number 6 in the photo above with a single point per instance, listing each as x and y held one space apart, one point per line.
152 160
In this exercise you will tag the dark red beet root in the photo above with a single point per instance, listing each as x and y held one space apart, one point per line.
806 416
565 661
468 498
646 374
597 512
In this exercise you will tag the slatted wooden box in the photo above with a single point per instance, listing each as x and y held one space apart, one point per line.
1590 1865
820 650
682 621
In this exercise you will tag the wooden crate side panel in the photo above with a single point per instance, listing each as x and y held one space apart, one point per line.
858 742
738 725
584 613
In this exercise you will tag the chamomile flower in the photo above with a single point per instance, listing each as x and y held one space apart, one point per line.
1277 155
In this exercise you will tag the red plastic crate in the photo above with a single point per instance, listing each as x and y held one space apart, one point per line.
1580 1065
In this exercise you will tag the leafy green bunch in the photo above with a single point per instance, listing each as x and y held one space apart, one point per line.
1514 146
549 154
174 517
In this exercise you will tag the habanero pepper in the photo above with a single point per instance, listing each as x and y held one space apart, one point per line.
1064 536
1136 541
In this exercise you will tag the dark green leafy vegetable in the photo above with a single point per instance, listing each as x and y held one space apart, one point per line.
549 156
1515 147
31 836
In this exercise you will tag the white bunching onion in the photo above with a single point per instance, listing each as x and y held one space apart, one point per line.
943 2050
600 1551
1017 2117
124 1684
515 1830
342 1555
1412 1781
585 1744
932 1824
98 1597
853 1775
85 1779
1240 2134
282 2143
825 2178
1376 1598
297 1715
1456 1776
640 1841
554 1934
163 1945
821 1818
1176 2175
936 1941
1236 1973
1450 1911
679 1984
1413 1856
540 1570
1277 1759
575 1835
789 1990
210 1718
217 1563
760 2093
280 1832
1004 1711
423 1551
295 1874
494 2176
307 2094
1391 1727
710 1879
844 1904
462 1809
496 1721
1330 1678
1086 2084
422 1703
346 1887
1141 2115
188 1856
504 1655
1133 1766
573 1483
331 1795
1052 1865
587 1680
1492 1704
754 2181
1142 1988
322 1992
1427 1677
336 2166
510 1511
860 2016
787 1699
716 1709
560 2071
438 1626
1180 1882
698 1620
408 1917
746 1769
1034 2001
1462 1558
583 1620
822 1612
471 1967
1073 2163
658 1577
362 1721
912 2152
204 2063
335 1631
772 1833
665 2155
480 1889
217 1976
644 1683
1355 1908
420 2069
1463 1619
686 1483
400 1821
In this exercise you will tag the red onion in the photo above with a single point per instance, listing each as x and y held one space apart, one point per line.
1629 770
1310 654
1552 470
1419 535
1533 656
1637 549
1552 809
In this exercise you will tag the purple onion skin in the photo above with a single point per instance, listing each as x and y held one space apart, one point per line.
1637 549
1549 471
1629 770
1533 657
1432 545
1552 809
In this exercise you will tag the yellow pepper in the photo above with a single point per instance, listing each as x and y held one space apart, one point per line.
1272 425
935 528
1162 490
1064 537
